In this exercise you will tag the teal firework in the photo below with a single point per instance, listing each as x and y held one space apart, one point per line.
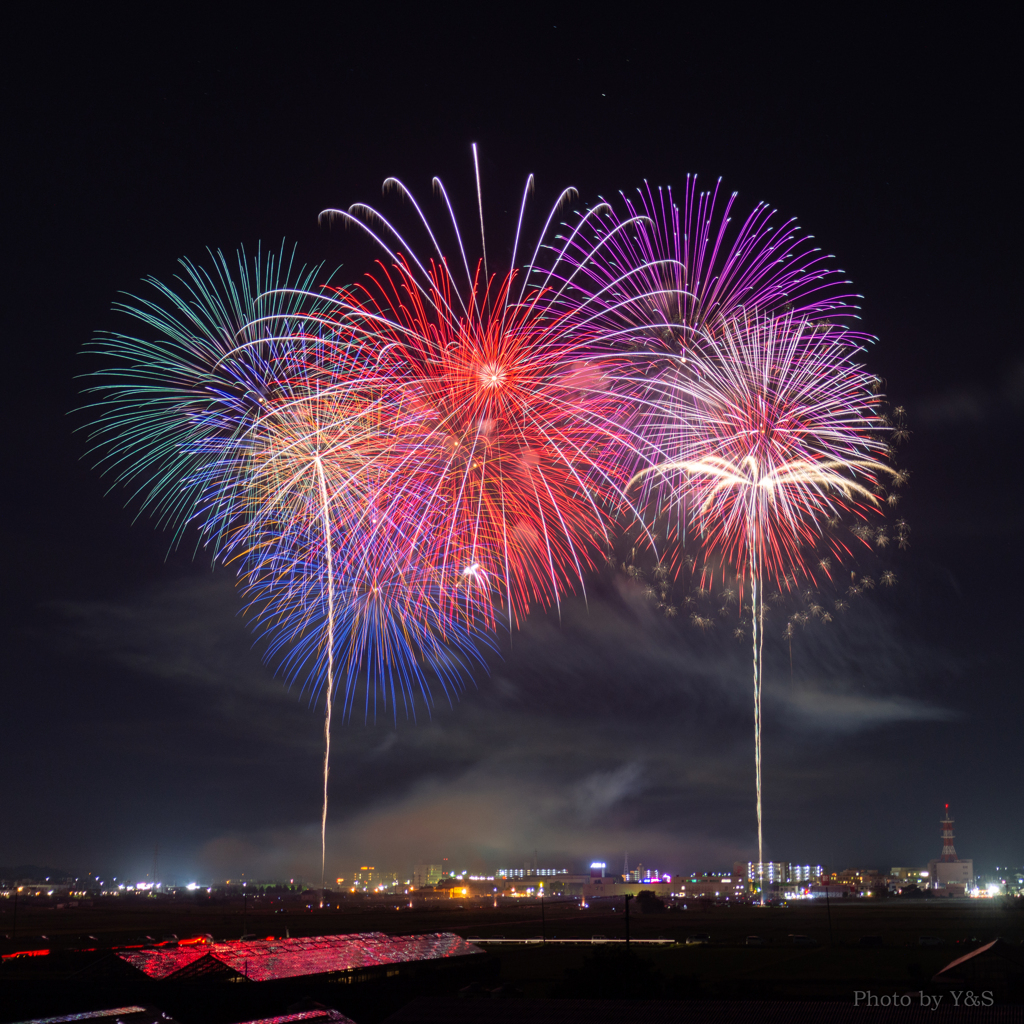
176 406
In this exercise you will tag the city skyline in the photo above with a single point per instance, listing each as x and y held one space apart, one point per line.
427 874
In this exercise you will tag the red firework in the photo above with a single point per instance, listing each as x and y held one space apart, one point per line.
506 451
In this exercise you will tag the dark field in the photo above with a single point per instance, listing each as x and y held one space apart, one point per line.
726 968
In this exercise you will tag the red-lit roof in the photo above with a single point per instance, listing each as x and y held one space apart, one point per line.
324 1016
292 958
162 963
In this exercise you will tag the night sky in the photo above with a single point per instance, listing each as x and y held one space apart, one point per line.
135 709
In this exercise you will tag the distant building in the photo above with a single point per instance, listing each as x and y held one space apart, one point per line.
368 878
719 887
832 890
909 876
948 875
539 881
861 879
650 875
777 873
427 874
530 872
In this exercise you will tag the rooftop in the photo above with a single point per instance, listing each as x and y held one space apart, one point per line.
273 959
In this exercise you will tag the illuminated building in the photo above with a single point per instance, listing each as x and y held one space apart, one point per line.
427 874
539 881
721 887
860 879
908 876
367 878
530 872
777 873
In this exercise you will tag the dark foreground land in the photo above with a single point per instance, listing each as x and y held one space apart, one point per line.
870 945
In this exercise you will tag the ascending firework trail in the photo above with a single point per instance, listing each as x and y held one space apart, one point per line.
223 419
770 428
395 469
754 449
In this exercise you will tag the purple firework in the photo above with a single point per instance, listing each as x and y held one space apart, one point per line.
654 274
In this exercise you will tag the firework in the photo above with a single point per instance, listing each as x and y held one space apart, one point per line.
388 632
240 419
175 411
656 275
509 444
187 415
767 430
395 468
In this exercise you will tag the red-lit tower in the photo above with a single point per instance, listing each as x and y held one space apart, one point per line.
948 853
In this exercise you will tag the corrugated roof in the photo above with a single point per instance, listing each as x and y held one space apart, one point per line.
323 1016
271 959
132 1014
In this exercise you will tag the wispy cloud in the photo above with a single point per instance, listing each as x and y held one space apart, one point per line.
603 730
851 712
973 404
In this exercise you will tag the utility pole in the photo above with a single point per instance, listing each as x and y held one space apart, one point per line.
628 898
543 925
14 930
828 910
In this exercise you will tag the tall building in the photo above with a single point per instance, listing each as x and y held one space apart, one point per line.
427 874
947 874
777 873
368 877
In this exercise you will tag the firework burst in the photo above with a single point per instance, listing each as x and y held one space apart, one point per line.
175 411
510 448
240 418
770 428
657 274
395 468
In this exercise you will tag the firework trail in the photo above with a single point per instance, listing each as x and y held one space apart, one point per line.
307 476
370 623
236 418
671 284
183 417
503 451
769 428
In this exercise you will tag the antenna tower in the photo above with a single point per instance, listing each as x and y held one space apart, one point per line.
948 852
